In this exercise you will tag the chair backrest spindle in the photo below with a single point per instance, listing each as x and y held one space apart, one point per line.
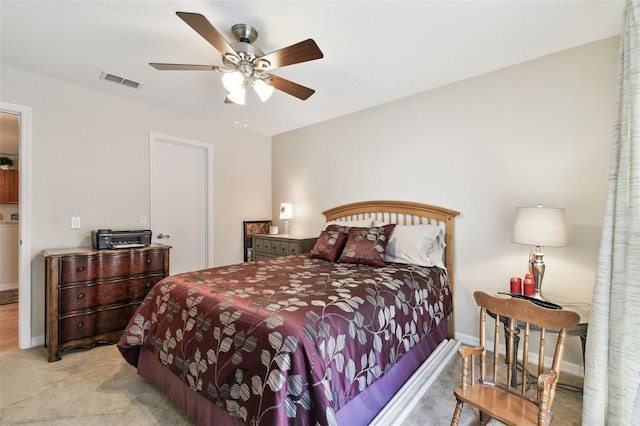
496 345
483 343
525 358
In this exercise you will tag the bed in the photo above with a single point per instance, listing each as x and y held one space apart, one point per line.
323 338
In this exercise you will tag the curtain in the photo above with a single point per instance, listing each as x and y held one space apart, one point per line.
612 373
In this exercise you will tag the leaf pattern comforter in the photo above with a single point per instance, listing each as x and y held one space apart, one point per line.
290 339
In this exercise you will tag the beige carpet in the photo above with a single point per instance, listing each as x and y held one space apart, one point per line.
98 387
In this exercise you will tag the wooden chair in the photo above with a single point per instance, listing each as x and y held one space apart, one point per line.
493 394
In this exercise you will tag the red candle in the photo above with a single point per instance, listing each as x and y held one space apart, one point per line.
516 285
529 287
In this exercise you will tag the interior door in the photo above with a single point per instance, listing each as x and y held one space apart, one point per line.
182 200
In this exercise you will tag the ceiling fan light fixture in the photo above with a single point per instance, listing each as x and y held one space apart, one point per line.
237 96
244 64
263 89
233 81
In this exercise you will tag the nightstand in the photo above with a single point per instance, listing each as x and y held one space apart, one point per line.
266 246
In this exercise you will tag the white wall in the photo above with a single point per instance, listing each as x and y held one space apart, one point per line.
90 158
535 133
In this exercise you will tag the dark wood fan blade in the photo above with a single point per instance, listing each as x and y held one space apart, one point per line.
304 51
183 67
294 89
203 27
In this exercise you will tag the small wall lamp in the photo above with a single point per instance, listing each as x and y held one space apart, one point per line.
286 212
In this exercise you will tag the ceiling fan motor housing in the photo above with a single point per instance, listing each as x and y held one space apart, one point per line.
245 33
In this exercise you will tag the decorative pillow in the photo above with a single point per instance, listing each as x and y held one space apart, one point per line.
416 245
328 246
344 225
338 228
367 245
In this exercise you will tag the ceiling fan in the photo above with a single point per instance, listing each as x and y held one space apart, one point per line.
245 65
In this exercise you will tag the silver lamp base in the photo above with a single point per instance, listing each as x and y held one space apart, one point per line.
536 268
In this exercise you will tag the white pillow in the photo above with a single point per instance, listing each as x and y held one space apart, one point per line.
363 223
416 245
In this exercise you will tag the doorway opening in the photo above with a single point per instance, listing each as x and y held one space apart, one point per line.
19 215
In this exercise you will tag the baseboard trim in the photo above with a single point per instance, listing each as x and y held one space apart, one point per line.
7 287
408 396
37 341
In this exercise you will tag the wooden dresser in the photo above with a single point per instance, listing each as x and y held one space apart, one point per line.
92 294
266 246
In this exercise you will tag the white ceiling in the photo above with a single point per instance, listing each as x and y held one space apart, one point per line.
374 52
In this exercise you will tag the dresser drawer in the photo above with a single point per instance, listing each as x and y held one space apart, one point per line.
88 268
75 298
267 246
261 245
292 248
285 248
275 248
82 326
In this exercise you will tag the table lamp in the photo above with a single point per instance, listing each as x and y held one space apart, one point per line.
286 212
538 227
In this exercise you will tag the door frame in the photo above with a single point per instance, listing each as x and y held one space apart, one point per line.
208 150
24 267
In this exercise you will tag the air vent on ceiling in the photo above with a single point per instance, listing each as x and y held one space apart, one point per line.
120 80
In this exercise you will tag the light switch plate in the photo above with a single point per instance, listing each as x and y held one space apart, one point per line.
75 222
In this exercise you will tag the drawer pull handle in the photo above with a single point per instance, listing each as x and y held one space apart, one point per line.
80 325
148 285
148 261
80 268
81 296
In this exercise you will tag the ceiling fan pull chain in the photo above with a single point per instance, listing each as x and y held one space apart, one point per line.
246 120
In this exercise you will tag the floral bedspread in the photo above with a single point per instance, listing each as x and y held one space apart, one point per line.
290 339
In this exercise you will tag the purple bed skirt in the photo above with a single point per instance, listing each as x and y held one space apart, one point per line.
359 411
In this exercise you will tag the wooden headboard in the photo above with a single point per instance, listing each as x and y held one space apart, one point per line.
405 213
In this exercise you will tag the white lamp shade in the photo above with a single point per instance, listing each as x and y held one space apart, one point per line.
237 96
232 81
286 211
263 89
539 226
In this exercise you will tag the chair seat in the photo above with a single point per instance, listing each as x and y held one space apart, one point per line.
500 404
